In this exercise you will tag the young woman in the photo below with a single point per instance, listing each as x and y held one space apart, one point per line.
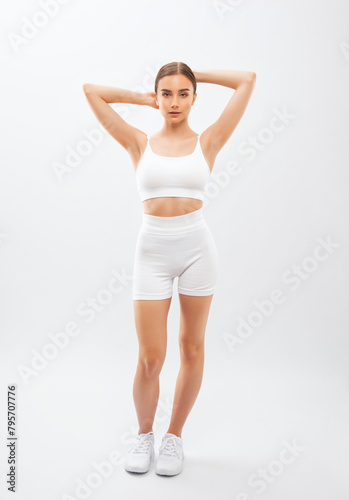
172 168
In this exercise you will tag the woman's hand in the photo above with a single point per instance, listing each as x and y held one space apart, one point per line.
151 100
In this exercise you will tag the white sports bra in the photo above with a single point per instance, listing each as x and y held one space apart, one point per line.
181 176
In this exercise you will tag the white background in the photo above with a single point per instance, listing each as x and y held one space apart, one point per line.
62 237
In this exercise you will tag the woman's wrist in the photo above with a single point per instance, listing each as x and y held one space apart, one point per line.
227 77
198 75
140 98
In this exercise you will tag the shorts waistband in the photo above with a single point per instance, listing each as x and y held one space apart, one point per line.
176 224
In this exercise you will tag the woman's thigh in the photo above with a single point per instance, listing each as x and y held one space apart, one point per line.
151 326
194 312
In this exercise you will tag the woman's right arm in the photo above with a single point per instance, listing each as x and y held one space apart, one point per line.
98 97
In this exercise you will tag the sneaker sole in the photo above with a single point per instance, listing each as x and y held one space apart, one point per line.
140 471
162 472
167 473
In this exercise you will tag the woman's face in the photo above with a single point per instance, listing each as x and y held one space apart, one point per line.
175 93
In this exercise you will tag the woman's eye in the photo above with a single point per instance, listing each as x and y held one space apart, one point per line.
166 93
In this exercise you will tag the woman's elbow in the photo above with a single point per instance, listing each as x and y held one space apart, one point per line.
87 87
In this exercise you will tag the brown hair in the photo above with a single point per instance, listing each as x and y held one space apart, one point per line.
175 68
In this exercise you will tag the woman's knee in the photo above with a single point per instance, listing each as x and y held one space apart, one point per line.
151 363
191 351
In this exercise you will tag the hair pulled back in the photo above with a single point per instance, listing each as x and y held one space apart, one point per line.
175 68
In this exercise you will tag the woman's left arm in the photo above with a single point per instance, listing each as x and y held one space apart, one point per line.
243 82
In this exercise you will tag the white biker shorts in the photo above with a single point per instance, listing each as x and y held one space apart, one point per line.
168 247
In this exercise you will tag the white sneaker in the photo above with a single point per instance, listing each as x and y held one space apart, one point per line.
170 461
139 457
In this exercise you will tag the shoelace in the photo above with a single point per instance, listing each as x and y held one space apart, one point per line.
142 444
170 447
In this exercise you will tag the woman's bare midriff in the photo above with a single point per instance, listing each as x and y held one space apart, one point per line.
171 206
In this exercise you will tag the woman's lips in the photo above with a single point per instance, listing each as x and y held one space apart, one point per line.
174 113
